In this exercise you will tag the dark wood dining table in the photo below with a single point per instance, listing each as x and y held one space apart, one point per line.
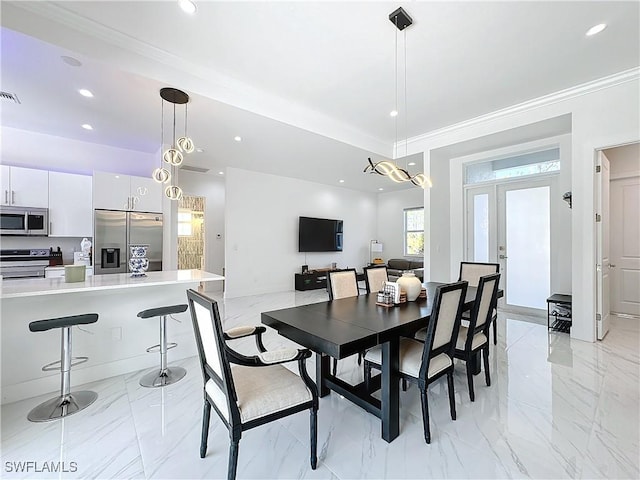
340 328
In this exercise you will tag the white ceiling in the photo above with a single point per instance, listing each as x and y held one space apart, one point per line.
308 85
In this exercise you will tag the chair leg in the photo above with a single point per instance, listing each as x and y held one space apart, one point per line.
334 369
470 380
452 396
206 413
425 416
360 355
314 438
367 376
487 375
495 330
233 459
404 384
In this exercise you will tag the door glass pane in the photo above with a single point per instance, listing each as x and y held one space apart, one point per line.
528 247
481 228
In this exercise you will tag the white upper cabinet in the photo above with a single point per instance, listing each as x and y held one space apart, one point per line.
24 187
123 192
70 205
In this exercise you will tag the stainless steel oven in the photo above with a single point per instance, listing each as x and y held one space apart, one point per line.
24 221
24 263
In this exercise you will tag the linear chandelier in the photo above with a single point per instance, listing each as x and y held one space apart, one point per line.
401 20
173 155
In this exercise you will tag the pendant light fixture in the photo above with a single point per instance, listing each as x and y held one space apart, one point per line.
173 155
401 20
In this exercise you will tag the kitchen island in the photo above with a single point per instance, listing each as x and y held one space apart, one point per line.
116 344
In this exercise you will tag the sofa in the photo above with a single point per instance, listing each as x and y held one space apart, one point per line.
397 266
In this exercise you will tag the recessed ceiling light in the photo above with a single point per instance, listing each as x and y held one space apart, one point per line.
220 173
394 113
85 93
381 189
411 164
188 6
200 150
86 126
237 138
74 62
596 29
341 181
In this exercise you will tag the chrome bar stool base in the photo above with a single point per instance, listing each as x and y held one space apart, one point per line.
160 379
62 406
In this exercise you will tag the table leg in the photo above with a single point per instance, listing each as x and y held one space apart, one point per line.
390 390
322 370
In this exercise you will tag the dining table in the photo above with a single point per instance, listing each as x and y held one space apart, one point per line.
344 327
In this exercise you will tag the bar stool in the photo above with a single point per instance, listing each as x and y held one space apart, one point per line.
166 375
67 403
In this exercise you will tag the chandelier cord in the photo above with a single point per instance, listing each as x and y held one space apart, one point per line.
406 115
161 129
396 95
185 119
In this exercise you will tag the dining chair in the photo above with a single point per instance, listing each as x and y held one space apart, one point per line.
471 272
475 337
342 284
247 391
423 363
374 277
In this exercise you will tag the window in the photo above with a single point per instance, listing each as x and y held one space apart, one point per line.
414 231
521 165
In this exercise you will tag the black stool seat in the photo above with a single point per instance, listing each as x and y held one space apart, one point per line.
68 402
62 322
160 311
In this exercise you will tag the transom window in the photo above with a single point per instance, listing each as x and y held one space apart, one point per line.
521 165
414 231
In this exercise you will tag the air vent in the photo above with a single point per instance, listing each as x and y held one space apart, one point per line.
194 169
12 97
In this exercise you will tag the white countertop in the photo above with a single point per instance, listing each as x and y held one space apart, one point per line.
29 287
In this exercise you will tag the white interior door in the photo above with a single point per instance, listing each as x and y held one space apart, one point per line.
524 243
603 263
625 245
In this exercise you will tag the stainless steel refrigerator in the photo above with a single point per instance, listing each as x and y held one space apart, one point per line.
115 230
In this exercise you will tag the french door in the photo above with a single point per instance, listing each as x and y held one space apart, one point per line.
510 223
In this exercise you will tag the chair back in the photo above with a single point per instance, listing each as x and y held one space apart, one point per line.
216 369
444 323
472 271
374 278
342 284
486 298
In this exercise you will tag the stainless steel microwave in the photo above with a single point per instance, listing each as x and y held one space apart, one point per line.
24 221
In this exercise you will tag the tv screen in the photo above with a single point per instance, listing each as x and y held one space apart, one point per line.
319 235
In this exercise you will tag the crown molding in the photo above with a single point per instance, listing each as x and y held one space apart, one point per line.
633 74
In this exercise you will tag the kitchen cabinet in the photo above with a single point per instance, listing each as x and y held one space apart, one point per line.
24 187
123 192
70 205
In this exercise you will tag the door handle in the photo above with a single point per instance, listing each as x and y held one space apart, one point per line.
502 257
13 197
6 196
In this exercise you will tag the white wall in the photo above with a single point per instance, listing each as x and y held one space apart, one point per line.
391 220
36 150
604 113
261 225
212 187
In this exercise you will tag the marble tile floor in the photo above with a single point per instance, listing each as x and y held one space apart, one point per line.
557 408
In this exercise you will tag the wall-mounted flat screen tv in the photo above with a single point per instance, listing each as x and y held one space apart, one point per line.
319 235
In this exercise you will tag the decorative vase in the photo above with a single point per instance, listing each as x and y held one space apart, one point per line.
410 284
138 261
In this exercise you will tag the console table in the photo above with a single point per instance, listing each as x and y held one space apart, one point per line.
316 279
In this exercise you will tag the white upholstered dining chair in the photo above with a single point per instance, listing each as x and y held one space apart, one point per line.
375 278
471 272
424 363
247 391
342 284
